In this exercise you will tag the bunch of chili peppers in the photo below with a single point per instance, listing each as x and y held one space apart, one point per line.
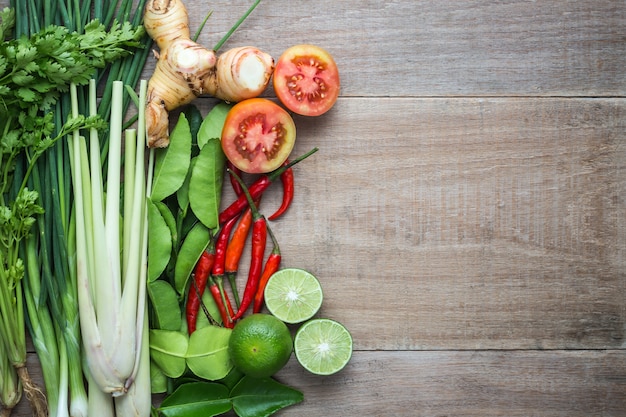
221 258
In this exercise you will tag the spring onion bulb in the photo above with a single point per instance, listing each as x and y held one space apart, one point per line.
10 387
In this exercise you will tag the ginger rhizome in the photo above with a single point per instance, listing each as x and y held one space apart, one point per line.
186 70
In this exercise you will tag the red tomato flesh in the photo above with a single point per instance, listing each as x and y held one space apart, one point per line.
306 80
258 135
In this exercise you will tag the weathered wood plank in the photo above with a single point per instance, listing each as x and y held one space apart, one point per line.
465 223
480 384
425 48
462 383
451 48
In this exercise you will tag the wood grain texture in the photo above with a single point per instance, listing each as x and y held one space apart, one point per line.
561 383
405 48
466 223
467 383
466 211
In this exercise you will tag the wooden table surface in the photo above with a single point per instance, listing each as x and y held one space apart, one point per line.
466 212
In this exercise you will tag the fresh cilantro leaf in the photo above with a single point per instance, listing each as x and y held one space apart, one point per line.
26 94
22 78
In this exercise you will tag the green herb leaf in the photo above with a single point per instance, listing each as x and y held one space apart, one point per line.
211 127
194 117
182 195
167 350
205 184
158 380
254 397
207 354
169 218
197 399
43 65
232 379
172 163
195 242
209 303
164 302
159 242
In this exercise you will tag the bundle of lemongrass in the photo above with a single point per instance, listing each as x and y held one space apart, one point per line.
111 259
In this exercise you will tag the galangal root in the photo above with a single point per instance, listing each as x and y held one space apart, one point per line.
186 70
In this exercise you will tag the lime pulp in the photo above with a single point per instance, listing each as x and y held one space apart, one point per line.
293 295
323 346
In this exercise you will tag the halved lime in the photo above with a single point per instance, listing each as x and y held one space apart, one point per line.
293 295
323 346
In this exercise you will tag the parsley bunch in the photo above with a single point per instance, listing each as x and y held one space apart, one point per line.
37 70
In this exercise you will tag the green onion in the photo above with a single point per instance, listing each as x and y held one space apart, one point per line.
10 390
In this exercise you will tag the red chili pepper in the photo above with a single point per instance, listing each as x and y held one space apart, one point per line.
257 188
223 303
235 248
198 284
217 272
288 189
236 186
221 244
259 240
271 266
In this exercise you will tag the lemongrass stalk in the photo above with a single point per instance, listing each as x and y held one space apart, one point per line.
138 240
125 310
137 401
130 152
100 402
99 363
130 319
106 252
99 355
95 185
112 213
112 323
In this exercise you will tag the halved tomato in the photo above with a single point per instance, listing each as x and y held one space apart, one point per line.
258 135
306 80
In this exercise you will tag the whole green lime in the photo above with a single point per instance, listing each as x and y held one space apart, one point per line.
260 345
